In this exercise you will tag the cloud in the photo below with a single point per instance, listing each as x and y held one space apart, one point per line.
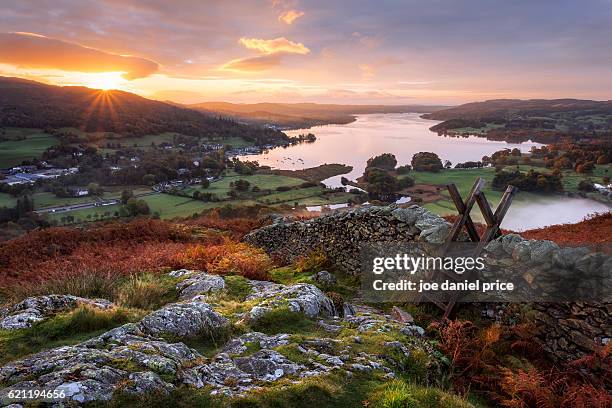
289 16
260 63
280 44
37 51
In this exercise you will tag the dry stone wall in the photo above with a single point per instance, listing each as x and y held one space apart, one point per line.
566 330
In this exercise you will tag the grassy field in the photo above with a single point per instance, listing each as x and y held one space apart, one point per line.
7 200
263 181
18 145
144 142
46 199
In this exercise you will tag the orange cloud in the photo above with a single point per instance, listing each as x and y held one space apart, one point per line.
280 44
289 16
37 51
260 63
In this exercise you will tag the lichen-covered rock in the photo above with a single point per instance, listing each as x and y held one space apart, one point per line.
302 297
183 319
198 284
267 365
146 381
238 345
35 309
324 278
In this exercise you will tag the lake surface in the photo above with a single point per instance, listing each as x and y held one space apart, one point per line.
404 135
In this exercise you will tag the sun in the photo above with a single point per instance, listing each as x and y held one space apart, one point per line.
104 81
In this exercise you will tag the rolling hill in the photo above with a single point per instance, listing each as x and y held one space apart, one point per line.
303 115
29 104
540 120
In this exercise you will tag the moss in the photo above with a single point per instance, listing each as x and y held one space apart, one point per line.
400 394
237 287
282 320
292 353
288 275
334 390
62 329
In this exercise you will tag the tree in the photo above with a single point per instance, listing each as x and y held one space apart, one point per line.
381 182
148 179
426 161
126 195
385 161
205 183
241 185
136 207
95 189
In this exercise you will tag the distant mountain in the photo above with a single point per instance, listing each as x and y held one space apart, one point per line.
32 104
540 120
303 115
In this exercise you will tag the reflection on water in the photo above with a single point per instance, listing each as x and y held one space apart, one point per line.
544 211
402 134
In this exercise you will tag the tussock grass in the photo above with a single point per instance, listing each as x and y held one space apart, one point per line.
69 328
147 291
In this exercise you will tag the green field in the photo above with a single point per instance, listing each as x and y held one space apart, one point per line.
17 145
7 200
263 181
47 199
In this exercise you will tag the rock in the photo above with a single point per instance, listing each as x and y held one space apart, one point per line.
302 297
147 381
401 315
239 344
332 328
183 319
35 309
182 272
324 278
413 330
267 365
201 283
348 309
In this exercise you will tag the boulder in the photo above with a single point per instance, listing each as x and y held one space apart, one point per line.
198 284
183 320
302 297
35 309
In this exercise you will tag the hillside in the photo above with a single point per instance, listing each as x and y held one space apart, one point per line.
159 314
29 104
303 115
541 120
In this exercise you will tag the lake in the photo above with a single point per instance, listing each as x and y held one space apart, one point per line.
405 134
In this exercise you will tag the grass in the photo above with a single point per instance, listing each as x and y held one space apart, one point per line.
264 181
282 320
47 199
63 329
17 145
291 196
400 394
146 291
7 200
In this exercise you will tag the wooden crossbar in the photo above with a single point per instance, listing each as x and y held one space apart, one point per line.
492 231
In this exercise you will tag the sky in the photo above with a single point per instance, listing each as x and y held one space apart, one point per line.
340 51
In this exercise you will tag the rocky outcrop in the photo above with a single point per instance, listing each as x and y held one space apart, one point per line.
302 298
35 309
183 320
341 234
545 271
199 283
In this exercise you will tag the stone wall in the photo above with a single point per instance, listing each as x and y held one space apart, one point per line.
341 234
566 330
